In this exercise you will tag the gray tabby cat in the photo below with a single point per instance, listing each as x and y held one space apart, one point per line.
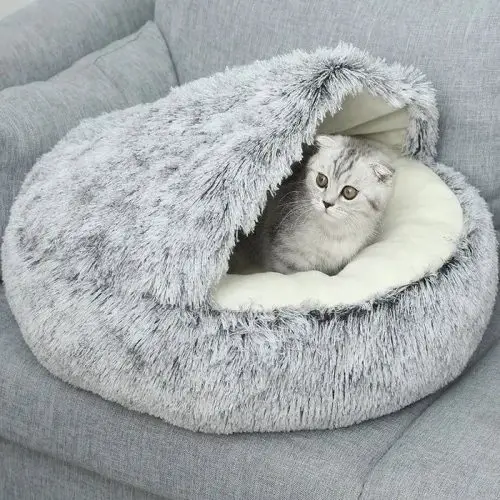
327 211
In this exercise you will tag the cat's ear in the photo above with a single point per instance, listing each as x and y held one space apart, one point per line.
382 170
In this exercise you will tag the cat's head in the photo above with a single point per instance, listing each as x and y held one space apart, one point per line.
348 178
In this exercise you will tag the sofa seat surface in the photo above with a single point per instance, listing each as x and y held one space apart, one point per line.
28 474
453 449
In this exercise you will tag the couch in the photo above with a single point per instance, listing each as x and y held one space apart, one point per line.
62 61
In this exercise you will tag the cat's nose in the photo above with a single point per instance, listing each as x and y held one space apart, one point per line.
327 205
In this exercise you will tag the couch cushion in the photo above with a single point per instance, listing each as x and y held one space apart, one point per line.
453 449
24 472
35 116
47 36
45 414
457 44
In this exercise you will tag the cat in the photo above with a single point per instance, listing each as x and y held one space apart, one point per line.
326 212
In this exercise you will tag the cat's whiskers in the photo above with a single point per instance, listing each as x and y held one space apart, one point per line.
289 193
300 209
296 213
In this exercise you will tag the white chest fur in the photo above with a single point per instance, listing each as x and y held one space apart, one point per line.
325 250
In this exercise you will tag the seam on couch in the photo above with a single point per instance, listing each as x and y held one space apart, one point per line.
434 397
368 476
174 66
102 56
137 34
70 463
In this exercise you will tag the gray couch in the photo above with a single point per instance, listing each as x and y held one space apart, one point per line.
62 61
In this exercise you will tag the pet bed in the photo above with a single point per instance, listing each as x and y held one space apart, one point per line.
116 254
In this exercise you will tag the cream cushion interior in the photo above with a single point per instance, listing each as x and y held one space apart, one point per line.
421 228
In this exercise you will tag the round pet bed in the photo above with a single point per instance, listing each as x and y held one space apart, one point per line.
115 258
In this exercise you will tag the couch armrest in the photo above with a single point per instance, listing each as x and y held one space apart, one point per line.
48 36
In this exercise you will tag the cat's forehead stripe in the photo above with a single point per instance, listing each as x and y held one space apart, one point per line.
345 161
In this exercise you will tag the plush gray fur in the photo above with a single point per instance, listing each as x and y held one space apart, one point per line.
119 234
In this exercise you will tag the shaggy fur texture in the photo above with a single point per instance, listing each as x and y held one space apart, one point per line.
120 232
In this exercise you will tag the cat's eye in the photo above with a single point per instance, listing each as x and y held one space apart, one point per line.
322 180
349 192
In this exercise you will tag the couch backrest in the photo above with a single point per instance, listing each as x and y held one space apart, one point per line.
455 43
